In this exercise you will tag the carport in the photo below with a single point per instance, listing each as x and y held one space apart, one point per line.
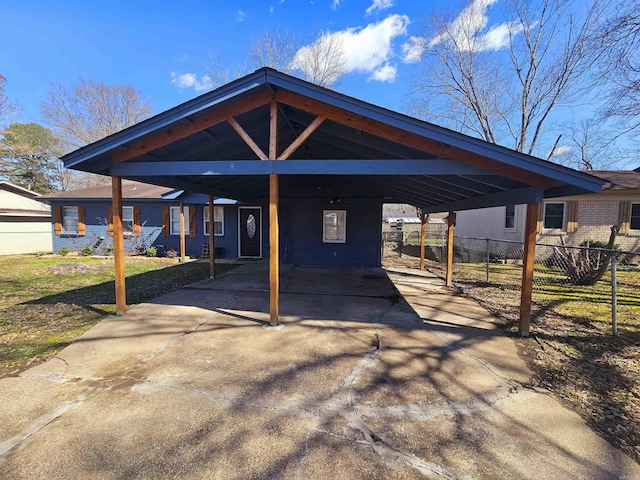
269 137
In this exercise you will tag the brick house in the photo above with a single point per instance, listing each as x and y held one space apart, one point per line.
577 218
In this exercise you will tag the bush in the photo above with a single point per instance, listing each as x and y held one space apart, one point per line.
151 252
86 251
63 251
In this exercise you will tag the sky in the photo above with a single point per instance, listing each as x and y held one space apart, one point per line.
163 48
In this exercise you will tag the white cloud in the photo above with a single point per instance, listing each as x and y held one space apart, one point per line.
271 9
369 49
386 73
241 15
190 80
380 5
562 149
468 32
335 4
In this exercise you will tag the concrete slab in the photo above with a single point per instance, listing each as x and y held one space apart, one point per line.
361 383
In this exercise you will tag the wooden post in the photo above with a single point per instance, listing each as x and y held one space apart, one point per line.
423 229
118 245
274 261
212 241
527 268
182 238
449 267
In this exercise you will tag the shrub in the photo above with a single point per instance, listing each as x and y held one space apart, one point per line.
151 252
86 251
63 251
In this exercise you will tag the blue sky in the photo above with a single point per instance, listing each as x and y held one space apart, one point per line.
142 43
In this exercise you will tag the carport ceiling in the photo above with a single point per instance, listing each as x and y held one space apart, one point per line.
204 146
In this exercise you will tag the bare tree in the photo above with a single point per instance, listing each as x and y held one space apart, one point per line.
88 112
503 82
275 49
92 110
590 145
621 69
7 106
323 61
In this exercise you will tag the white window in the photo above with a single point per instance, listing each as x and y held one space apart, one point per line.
218 221
634 220
510 217
554 215
70 220
334 227
175 220
127 220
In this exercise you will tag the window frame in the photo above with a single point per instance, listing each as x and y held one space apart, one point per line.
504 223
636 217
564 216
63 218
205 220
173 208
324 225
128 233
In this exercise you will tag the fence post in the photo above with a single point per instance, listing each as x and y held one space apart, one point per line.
614 295
487 257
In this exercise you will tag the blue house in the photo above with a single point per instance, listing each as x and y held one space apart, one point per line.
150 217
311 169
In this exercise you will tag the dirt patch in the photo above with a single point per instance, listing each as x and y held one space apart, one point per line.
74 268
594 373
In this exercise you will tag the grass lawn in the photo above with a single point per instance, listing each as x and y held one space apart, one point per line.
46 302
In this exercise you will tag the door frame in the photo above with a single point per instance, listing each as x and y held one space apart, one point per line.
259 227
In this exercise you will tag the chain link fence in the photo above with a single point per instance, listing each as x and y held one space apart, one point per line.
595 284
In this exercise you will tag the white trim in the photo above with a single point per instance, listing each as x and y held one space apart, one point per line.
133 222
259 227
515 219
205 211
564 216
186 220
324 224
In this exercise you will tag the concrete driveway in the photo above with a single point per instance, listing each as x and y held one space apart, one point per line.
360 383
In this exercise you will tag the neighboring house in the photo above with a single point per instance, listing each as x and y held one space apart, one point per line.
577 218
24 221
150 217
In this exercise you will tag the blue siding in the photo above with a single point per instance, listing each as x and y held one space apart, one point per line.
96 219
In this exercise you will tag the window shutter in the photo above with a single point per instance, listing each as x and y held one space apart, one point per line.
540 224
624 217
192 222
165 222
82 227
57 219
110 221
136 221
572 216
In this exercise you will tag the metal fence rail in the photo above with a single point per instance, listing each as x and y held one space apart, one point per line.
597 284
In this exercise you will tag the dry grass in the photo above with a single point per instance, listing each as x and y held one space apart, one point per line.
46 302
571 348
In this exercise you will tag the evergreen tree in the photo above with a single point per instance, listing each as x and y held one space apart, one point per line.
28 155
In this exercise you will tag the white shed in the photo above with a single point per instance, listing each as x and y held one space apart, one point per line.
25 222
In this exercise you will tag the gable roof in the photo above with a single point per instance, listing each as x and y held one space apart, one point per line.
17 201
619 179
216 144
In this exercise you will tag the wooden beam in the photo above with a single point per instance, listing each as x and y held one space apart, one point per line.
118 245
313 126
413 140
212 241
182 236
274 261
527 268
273 130
423 229
449 267
200 123
247 138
